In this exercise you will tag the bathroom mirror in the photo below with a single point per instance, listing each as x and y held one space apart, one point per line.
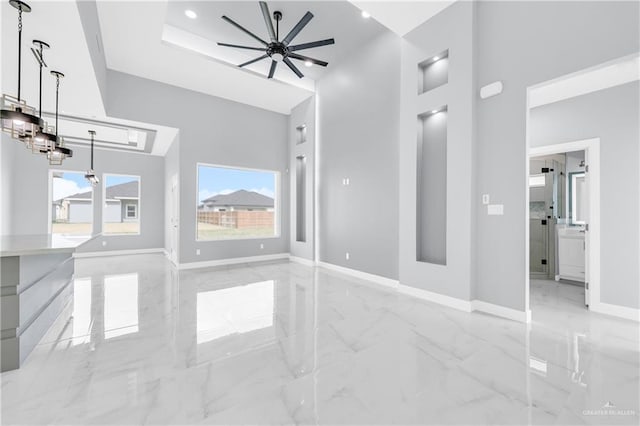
577 198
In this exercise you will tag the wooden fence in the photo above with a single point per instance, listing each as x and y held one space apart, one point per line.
238 219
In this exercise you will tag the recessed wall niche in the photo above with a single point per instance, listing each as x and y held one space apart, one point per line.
433 72
301 198
431 185
301 134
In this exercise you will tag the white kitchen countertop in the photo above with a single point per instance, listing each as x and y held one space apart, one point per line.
21 245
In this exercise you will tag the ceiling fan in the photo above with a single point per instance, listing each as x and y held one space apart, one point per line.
280 50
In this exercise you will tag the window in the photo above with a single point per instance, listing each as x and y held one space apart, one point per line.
236 203
121 211
132 211
71 210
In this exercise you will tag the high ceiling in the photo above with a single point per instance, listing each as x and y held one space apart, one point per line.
166 43
339 20
155 40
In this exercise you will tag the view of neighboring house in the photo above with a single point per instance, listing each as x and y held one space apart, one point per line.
121 205
241 200
240 210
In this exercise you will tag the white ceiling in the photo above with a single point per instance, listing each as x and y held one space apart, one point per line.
166 43
402 16
593 79
339 20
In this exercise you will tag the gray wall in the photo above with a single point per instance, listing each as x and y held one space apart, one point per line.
91 25
304 113
358 103
215 131
522 44
7 182
30 204
451 29
613 115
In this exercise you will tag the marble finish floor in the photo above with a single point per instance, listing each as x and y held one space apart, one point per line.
283 343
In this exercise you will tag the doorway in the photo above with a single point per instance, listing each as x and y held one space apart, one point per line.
564 222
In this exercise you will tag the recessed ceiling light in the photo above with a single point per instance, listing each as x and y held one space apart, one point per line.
190 14
436 58
366 14
434 111
308 63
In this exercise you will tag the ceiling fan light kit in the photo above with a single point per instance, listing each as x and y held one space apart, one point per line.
279 50
19 120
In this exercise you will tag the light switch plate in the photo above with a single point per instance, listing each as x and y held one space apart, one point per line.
485 198
495 209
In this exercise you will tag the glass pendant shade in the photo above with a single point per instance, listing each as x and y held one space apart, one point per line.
59 153
18 119
44 140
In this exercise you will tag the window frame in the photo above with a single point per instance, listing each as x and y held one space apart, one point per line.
135 211
138 217
51 200
276 202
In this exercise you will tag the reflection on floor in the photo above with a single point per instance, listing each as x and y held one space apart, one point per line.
286 343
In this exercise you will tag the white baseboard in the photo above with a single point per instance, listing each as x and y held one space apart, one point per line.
387 282
233 261
616 311
82 255
302 261
441 299
501 311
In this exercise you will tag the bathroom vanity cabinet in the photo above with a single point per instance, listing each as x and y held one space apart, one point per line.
571 253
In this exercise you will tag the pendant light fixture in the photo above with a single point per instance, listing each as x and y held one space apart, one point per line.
19 119
58 153
91 175
44 139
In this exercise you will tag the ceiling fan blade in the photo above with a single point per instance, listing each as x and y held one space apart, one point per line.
267 20
252 61
272 70
306 58
312 44
293 67
241 47
299 26
241 28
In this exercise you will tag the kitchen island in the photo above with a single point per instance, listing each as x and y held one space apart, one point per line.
36 272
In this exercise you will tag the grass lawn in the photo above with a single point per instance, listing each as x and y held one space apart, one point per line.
85 228
207 231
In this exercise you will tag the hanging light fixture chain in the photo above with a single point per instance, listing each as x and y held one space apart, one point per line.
40 100
19 49
57 90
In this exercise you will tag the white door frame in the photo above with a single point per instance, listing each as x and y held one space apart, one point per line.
174 220
592 154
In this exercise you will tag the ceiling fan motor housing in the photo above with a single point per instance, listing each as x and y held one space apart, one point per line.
277 51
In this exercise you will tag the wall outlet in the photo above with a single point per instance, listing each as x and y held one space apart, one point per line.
346 255
197 252
261 246
104 243
485 198
345 181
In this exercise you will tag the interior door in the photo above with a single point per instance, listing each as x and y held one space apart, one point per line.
586 194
